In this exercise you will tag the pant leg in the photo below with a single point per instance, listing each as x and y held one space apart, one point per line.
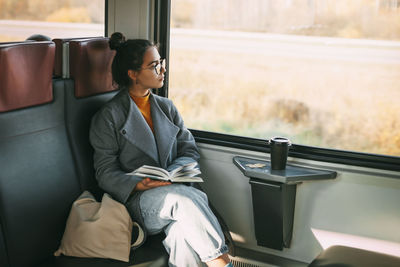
180 252
187 208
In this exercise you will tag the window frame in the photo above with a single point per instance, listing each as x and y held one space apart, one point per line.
376 161
106 18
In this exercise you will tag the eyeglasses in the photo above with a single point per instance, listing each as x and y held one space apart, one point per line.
157 67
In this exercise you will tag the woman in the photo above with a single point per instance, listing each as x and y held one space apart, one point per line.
137 128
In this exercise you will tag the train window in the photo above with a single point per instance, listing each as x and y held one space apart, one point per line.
323 73
55 19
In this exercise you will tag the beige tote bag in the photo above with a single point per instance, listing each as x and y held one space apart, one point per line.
98 230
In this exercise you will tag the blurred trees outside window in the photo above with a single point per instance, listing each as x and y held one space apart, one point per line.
87 11
22 18
324 73
368 19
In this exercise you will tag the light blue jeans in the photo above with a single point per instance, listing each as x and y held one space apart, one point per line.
194 235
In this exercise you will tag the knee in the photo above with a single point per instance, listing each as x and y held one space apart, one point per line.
183 200
192 193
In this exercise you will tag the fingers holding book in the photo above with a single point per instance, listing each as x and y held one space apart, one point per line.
148 183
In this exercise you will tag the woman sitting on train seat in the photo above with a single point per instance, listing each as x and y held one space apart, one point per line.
137 127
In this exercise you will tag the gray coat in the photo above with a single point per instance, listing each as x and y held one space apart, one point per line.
123 141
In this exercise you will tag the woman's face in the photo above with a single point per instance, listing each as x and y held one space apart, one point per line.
148 77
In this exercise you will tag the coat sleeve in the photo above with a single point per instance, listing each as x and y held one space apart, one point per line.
111 178
186 145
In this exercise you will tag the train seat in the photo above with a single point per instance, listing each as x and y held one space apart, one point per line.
89 88
44 149
38 180
353 257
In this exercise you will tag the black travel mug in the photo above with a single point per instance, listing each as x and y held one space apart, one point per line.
279 147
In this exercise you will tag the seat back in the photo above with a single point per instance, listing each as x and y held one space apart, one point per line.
90 88
38 179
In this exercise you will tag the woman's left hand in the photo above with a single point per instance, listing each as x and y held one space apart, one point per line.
148 183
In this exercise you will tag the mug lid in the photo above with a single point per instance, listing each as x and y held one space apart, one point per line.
277 140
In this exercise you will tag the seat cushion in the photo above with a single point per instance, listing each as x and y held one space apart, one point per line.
342 256
151 252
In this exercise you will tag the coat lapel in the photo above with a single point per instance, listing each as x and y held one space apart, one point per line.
138 132
165 132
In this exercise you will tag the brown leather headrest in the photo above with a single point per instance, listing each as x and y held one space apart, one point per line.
26 71
90 66
58 61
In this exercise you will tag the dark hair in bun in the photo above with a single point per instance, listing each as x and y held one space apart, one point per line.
129 56
116 40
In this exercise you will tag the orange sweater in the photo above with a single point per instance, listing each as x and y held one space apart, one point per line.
143 103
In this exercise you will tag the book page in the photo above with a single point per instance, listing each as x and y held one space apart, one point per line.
151 176
183 168
151 170
189 173
186 179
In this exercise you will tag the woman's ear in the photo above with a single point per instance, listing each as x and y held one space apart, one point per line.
133 75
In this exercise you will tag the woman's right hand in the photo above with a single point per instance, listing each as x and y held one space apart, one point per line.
148 183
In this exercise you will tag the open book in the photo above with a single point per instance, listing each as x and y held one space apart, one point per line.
182 174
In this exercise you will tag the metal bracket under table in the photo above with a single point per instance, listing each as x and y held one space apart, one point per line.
273 195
